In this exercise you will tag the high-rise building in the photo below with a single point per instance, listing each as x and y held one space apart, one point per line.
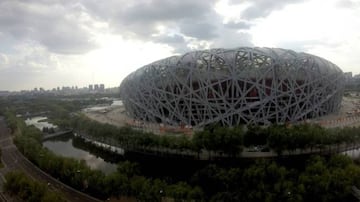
348 77
102 87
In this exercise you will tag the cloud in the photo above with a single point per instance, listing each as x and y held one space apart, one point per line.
171 39
238 25
142 19
26 66
67 27
202 31
59 27
3 60
165 10
31 64
185 24
232 39
349 4
43 38
262 8
31 57
176 41
306 45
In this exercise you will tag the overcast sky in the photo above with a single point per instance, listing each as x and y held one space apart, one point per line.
50 43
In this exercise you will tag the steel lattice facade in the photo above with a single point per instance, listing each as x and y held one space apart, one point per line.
233 86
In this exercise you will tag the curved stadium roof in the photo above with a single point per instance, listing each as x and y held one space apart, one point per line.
234 86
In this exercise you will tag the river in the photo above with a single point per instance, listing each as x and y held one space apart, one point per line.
64 146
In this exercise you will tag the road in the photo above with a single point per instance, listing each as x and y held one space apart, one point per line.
14 160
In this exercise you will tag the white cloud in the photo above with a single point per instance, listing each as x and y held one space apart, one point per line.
329 32
3 60
118 57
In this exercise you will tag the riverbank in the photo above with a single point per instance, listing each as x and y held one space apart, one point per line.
14 160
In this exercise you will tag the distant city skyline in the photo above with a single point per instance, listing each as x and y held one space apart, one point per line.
94 87
68 43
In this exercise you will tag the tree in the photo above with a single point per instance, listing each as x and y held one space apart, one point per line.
278 138
17 183
129 169
255 135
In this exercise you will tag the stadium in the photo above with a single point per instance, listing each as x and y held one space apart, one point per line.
233 86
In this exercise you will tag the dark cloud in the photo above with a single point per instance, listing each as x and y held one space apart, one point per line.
173 39
202 31
141 18
193 19
61 27
262 8
176 41
165 10
66 27
56 26
67 38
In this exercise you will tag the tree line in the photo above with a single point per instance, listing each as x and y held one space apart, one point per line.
222 140
315 179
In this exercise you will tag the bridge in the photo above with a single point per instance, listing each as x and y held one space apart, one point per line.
57 134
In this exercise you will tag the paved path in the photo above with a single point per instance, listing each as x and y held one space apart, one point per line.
14 160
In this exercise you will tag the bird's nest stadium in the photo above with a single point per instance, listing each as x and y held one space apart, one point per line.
233 86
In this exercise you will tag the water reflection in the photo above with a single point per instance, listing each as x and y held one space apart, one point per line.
117 103
103 108
66 148
354 154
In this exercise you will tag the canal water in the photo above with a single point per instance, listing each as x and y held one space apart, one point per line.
115 103
64 146
354 154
